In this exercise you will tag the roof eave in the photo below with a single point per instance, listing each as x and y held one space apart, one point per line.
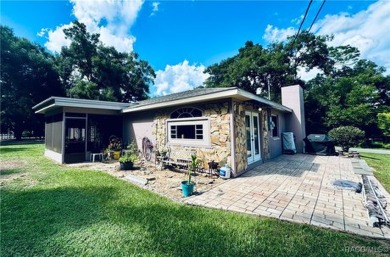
190 100
230 93
274 105
46 105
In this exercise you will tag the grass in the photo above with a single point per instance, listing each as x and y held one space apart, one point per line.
381 164
53 210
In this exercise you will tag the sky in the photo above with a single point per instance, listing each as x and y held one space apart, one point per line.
179 39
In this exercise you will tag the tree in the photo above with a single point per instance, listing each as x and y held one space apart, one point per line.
273 67
384 123
94 71
28 76
347 136
349 96
253 67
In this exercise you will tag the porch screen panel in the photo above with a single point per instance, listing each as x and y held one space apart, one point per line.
53 133
48 134
57 135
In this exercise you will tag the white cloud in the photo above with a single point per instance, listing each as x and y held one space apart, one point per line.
155 8
178 78
368 30
57 39
298 20
274 34
43 32
112 19
308 75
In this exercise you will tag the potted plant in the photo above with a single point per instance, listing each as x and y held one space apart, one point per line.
126 162
115 146
187 186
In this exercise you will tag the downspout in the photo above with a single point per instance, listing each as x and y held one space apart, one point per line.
86 138
63 137
232 140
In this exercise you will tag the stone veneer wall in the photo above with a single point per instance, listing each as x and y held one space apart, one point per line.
240 137
240 134
265 126
219 116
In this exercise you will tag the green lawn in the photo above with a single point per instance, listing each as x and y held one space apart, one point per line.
381 163
52 210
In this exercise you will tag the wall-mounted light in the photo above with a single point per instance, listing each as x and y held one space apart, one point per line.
260 109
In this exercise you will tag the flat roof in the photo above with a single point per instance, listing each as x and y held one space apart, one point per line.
55 102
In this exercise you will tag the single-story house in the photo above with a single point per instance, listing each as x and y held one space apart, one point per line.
218 123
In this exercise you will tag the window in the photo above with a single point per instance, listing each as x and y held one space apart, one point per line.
186 113
189 131
274 125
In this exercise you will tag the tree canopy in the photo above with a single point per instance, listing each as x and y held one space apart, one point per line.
275 66
348 91
91 70
86 69
28 76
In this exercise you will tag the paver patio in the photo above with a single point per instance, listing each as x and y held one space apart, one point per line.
298 188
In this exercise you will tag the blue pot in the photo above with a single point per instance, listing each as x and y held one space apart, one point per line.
187 188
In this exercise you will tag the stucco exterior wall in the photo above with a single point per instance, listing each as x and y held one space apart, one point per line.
137 126
292 97
275 144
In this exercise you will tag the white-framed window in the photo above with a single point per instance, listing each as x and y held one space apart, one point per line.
189 131
274 126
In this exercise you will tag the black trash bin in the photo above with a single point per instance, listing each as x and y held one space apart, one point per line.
319 144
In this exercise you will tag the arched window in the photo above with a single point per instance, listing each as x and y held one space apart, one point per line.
186 113
187 126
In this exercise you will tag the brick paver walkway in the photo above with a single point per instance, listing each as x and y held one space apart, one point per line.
297 188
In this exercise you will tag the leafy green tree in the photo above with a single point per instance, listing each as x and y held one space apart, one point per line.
28 76
273 67
94 71
384 123
350 96
253 67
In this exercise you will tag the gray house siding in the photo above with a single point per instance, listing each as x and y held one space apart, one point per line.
276 141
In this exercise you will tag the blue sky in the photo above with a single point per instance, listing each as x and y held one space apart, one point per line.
180 38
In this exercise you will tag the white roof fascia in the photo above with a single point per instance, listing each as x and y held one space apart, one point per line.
80 103
264 101
194 99
235 92
45 108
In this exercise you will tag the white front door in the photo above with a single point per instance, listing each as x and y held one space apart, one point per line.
252 137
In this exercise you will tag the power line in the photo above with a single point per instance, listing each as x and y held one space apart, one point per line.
303 20
318 12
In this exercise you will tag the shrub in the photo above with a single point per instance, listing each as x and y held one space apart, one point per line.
384 123
347 136
131 153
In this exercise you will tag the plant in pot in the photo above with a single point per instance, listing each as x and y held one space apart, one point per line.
114 146
126 162
187 186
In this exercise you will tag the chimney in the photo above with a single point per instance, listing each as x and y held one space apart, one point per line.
292 97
